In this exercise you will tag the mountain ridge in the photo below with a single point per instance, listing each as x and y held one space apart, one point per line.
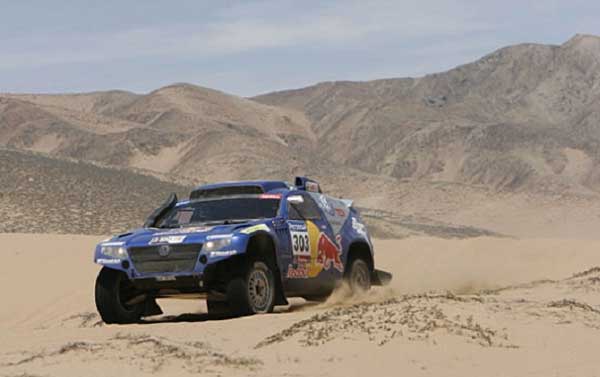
521 124
538 97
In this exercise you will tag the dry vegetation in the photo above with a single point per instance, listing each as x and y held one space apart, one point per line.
47 195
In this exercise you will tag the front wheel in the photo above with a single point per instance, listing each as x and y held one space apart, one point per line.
117 300
358 276
254 292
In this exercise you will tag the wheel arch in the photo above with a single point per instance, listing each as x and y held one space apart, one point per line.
264 246
360 249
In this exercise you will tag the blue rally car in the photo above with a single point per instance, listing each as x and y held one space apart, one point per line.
243 246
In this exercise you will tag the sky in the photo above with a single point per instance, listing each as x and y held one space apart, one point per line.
252 47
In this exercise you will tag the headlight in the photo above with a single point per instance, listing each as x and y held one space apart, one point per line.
216 244
114 251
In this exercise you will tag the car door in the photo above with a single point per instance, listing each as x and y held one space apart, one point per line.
313 250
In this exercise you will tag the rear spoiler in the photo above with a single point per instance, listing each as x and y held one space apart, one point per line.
347 202
161 211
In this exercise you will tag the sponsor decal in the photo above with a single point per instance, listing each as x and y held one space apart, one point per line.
312 252
107 261
335 210
359 228
269 196
167 239
195 229
324 204
329 253
297 227
300 272
255 228
218 236
222 253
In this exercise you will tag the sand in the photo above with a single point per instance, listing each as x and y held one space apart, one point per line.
478 307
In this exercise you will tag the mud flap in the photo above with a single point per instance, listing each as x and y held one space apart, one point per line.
151 308
379 277
280 298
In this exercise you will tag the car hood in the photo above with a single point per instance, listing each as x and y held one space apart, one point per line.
192 234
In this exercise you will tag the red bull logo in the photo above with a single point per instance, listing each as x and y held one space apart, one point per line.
329 254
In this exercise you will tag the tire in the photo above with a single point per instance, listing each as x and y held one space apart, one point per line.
254 292
113 289
358 276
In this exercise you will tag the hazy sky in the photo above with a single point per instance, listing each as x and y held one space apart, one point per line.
251 47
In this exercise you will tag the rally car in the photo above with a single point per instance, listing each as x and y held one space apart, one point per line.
243 246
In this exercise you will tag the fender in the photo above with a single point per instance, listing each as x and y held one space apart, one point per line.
364 249
355 235
261 236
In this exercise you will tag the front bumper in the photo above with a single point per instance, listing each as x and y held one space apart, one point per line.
186 283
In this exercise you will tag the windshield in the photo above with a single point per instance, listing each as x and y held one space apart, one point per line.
228 210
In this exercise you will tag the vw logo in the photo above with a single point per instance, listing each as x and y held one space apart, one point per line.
164 250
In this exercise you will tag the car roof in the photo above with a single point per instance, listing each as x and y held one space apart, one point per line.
265 186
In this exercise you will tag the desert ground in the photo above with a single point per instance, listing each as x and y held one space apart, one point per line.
472 307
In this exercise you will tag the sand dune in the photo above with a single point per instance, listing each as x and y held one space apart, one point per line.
485 306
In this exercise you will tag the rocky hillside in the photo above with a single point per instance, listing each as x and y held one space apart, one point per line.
40 194
525 116
47 195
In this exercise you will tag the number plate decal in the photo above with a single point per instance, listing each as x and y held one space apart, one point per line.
300 240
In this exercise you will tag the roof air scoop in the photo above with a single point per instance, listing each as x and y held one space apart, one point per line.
307 184
161 211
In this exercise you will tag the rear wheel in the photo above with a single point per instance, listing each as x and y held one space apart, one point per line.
358 276
117 300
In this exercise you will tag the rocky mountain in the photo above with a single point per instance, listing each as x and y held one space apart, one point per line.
525 116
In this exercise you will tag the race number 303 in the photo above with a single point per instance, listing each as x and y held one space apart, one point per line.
300 243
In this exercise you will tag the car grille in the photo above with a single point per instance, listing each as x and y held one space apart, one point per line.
181 258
